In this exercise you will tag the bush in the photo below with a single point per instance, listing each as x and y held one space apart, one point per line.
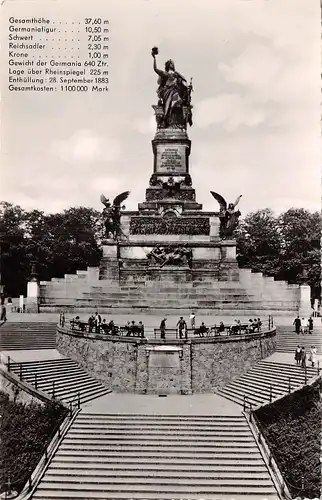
25 430
292 428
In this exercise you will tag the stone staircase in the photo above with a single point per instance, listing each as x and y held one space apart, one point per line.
188 296
62 378
266 380
252 294
24 336
122 456
287 339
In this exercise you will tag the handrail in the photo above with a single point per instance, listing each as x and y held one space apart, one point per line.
213 330
247 401
80 326
49 450
267 455
272 388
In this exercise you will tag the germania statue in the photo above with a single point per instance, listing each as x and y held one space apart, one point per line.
174 96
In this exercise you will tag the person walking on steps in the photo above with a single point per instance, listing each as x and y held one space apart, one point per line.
297 324
162 328
312 356
303 357
182 327
313 360
298 355
193 320
310 324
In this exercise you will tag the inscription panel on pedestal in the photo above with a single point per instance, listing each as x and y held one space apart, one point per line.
171 158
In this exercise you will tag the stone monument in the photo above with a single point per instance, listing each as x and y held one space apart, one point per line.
170 254
170 237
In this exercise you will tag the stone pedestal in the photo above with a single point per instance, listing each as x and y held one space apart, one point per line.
31 304
110 263
172 224
32 289
305 309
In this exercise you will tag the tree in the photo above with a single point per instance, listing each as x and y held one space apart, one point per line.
301 260
286 246
14 262
60 243
259 242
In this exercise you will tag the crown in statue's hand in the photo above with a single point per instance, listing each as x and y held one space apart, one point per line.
155 51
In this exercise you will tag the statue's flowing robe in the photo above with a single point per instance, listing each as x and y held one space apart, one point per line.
172 89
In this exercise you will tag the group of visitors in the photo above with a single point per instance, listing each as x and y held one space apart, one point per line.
301 356
303 325
133 329
97 325
252 326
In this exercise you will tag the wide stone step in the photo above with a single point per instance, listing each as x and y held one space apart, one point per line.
72 495
113 433
159 448
150 440
156 473
161 419
136 427
182 453
216 466
163 484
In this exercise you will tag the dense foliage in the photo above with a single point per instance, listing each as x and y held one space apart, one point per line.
25 430
285 246
61 243
292 428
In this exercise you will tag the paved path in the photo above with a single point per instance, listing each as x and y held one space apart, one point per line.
196 404
151 320
32 355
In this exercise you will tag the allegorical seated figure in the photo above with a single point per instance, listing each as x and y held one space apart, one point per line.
173 256
173 94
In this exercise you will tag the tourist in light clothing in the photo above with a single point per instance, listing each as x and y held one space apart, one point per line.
312 357
193 320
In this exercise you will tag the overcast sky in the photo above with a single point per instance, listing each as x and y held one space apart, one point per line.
256 73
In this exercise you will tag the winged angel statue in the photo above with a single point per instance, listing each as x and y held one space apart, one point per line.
228 215
112 215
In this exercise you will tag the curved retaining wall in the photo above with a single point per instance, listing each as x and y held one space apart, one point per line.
199 365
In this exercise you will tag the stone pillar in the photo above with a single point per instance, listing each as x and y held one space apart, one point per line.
305 309
33 291
231 253
32 299
109 265
214 226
